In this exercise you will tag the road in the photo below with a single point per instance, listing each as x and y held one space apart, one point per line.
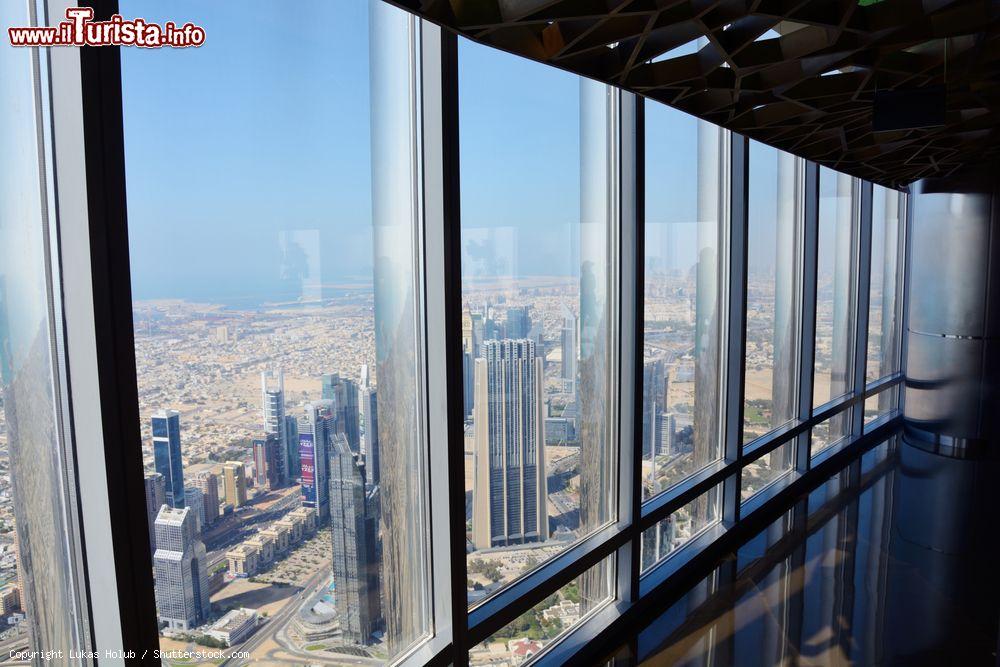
277 622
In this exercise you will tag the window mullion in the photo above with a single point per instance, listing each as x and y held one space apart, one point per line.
807 342
863 287
735 340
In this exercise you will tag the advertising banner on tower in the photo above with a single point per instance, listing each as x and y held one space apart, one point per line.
307 456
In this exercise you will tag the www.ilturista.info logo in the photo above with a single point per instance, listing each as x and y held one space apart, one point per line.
81 30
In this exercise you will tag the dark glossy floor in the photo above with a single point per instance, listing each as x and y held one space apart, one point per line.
893 561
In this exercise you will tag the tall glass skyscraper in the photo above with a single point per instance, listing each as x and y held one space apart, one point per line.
155 498
272 389
269 462
344 394
167 454
368 417
316 428
355 545
509 484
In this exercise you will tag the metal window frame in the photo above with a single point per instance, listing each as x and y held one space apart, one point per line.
456 628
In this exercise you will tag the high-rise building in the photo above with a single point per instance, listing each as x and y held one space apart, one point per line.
654 403
518 324
179 565
470 350
668 434
208 484
195 501
509 483
567 344
272 388
167 454
268 460
368 423
156 496
344 394
316 428
234 483
293 468
355 550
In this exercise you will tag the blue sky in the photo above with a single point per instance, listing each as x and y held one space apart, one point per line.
265 129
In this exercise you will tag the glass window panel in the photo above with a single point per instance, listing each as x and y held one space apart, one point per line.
881 404
885 304
41 569
677 529
537 284
773 290
684 279
274 234
768 468
524 639
835 279
830 432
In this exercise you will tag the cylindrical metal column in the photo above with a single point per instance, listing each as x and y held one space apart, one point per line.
953 347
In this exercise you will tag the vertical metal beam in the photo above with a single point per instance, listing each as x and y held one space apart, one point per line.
735 330
632 233
111 292
807 343
905 222
863 209
443 272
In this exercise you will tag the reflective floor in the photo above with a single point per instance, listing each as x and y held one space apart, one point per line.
893 561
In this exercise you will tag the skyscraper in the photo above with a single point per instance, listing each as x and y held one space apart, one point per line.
518 323
234 483
509 483
567 344
470 350
355 549
272 388
316 428
344 394
268 459
156 496
179 566
368 423
167 454
208 484
293 468
654 404
195 501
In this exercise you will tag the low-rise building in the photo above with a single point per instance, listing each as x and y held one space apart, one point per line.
10 600
243 561
279 534
235 627
294 529
308 519
264 546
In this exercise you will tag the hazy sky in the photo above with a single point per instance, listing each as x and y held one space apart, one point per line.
265 129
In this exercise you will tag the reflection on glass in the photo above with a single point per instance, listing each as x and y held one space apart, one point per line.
881 404
884 308
532 632
835 278
278 330
830 432
677 529
773 289
767 469
41 571
537 194
684 275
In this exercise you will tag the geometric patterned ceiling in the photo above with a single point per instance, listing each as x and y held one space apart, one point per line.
800 75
